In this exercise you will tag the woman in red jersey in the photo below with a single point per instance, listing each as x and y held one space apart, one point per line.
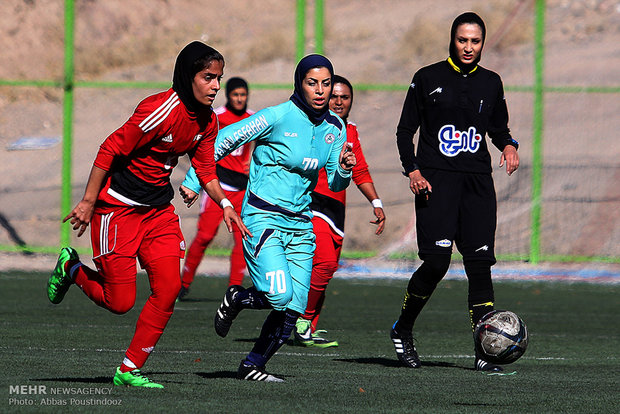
328 208
127 204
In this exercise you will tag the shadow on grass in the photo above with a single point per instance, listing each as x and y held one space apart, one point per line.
249 340
389 362
197 300
104 380
217 374
83 380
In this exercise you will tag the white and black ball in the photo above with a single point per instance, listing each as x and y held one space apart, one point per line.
500 337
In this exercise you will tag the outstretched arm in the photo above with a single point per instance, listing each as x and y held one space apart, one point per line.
81 215
368 189
214 190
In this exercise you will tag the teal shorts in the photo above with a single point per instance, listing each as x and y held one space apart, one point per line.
280 265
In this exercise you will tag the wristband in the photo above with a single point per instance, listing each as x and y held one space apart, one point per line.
225 203
376 203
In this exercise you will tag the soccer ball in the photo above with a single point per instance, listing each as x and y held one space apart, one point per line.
500 337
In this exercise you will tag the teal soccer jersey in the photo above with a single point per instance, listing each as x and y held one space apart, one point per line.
288 154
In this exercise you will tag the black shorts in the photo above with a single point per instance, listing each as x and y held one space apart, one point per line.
461 210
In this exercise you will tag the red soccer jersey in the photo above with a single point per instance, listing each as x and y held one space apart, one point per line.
239 159
360 171
141 154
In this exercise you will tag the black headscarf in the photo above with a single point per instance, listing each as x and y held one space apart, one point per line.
468 17
231 85
341 79
192 59
298 98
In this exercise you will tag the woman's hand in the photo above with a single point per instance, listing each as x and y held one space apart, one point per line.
418 184
80 216
231 216
189 196
347 157
510 157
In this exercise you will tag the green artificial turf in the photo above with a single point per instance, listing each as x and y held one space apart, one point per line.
71 349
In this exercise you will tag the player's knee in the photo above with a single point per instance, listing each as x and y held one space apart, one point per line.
167 296
429 274
478 272
322 273
121 307
329 268
280 301
201 241
174 288
434 267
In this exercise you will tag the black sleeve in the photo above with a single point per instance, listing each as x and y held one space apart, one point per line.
407 127
498 126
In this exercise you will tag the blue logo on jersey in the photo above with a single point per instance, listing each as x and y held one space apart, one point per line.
451 141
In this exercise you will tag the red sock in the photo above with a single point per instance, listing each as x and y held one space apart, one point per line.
91 283
165 283
149 328
125 368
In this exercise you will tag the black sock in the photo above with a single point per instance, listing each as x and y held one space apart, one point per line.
477 311
412 306
480 297
421 286
275 332
252 299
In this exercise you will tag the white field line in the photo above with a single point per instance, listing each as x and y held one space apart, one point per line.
303 354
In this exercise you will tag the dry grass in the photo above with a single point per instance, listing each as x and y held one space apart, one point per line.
509 24
424 42
269 46
369 41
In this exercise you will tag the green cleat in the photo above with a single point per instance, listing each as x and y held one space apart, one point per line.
134 379
321 342
302 334
60 281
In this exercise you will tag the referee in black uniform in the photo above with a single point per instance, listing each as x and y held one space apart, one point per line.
455 103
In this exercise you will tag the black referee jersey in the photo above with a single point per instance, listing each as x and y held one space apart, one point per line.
454 112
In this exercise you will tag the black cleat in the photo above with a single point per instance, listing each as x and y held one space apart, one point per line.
251 372
482 365
228 311
405 349
182 293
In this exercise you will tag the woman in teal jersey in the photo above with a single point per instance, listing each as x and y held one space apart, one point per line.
293 141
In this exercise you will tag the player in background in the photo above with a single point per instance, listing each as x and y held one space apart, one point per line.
455 103
293 141
232 172
127 204
328 208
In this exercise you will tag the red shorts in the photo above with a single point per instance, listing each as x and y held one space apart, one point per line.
328 242
146 233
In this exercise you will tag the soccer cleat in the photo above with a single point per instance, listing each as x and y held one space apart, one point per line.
302 334
228 311
134 379
482 365
59 281
182 293
321 342
250 372
405 349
